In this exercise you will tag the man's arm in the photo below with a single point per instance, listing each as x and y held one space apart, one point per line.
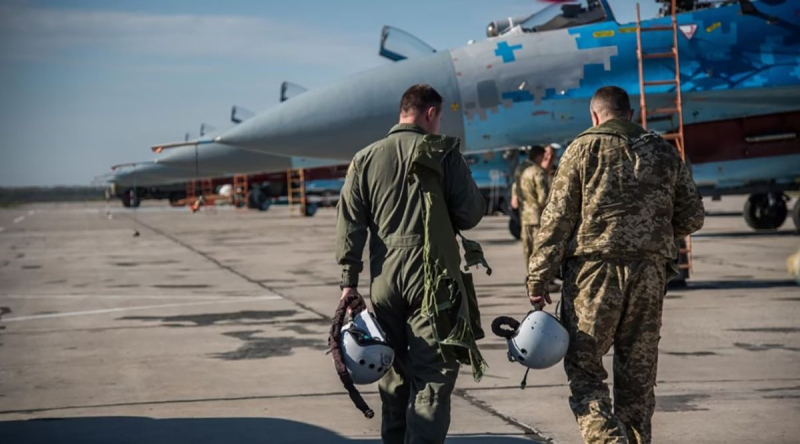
559 218
542 187
514 196
351 228
689 214
464 200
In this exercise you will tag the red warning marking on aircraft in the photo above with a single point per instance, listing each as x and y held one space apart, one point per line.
540 113
458 74
688 30
489 66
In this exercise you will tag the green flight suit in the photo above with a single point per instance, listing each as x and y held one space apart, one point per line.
620 197
391 194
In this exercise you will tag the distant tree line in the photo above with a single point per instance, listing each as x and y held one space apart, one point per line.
20 195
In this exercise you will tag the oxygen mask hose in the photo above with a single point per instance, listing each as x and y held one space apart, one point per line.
355 304
506 327
505 321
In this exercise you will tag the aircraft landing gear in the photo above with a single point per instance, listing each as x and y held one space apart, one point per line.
765 211
130 198
258 200
796 215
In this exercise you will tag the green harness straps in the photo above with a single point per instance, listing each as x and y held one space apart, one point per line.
449 298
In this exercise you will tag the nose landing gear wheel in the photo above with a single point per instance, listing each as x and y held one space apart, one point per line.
765 211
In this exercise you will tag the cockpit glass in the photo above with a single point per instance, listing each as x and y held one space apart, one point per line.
564 15
554 16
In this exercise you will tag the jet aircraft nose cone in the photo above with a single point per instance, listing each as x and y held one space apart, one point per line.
150 173
337 121
218 159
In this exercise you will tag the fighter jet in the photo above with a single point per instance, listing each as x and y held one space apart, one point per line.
530 82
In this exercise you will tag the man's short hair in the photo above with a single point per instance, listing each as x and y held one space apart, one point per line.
535 151
419 98
611 101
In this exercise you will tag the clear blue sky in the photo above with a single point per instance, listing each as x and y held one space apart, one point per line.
86 84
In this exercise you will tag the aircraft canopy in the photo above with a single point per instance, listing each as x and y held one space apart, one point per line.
554 16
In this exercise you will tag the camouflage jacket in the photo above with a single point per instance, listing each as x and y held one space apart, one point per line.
534 184
619 192
378 198
517 175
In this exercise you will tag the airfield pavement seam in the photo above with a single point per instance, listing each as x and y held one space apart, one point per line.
182 401
229 268
529 432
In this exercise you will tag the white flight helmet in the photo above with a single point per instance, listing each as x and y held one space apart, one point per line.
367 356
540 341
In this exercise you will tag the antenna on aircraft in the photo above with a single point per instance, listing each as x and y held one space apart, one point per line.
239 114
204 128
290 90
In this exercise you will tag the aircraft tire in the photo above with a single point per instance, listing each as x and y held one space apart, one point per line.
796 215
130 199
679 282
174 199
763 213
311 209
257 200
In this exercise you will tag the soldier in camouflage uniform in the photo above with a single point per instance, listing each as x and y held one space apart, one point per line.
515 184
620 197
410 191
534 184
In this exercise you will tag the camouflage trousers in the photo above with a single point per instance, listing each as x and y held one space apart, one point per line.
415 393
527 236
619 303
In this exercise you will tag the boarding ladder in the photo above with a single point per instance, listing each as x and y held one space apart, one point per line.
194 199
240 191
668 113
296 189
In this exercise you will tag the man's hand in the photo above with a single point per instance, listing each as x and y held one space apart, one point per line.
514 202
347 291
540 300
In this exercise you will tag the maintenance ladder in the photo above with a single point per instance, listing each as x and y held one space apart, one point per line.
194 199
296 189
668 113
239 192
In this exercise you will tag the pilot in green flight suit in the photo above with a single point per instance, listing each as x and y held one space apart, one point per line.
412 192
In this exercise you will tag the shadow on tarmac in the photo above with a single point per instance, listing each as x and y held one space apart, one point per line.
740 234
736 285
136 430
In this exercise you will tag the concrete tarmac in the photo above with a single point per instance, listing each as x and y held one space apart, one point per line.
212 327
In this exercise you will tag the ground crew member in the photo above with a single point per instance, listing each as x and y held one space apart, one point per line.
515 184
534 184
619 199
411 217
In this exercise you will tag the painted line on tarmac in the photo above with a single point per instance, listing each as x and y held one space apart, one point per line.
19 219
142 307
230 269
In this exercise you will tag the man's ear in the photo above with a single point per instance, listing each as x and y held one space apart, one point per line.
595 118
431 114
